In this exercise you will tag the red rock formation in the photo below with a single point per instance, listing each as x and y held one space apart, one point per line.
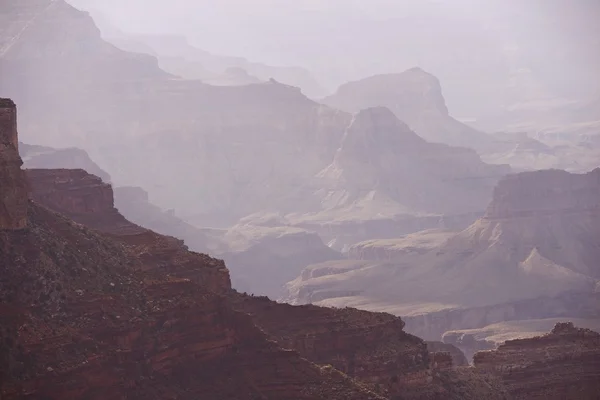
92 324
85 199
109 314
13 189
564 364
371 347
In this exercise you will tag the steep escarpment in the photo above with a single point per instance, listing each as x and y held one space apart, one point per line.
122 312
87 200
519 250
358 334
134 204
384 168
371 347
83 307
13 199
564 364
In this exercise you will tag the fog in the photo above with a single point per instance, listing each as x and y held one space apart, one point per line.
459 41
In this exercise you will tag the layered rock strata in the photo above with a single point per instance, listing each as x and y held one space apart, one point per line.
564 364
13 188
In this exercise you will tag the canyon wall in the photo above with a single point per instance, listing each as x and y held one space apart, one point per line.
564 364
13 188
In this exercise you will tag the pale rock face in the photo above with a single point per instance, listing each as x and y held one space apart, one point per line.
384 168
519 250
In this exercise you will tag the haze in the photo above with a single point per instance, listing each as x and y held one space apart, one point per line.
345 40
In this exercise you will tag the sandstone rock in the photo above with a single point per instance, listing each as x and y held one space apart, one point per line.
134 204
521 249
126 313
415 97
371 347
564 364
491 336
13 188
569 305
382 168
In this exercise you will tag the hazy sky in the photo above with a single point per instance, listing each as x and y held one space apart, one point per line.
350 39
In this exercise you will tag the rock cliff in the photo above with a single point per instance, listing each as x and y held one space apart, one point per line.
122 312
13 193
564 364
384 168
520 250
371 347
415 96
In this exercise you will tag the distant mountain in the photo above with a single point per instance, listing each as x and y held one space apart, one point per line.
415 96
382 168
50 158
176 55
218 153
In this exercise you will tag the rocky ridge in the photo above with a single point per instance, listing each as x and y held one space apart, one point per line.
146 318
560 365
13 199
493 270
137 316
366 346
415 97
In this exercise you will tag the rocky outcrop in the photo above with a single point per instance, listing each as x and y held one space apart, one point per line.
382 168
134 204
433 325
13 196
394 249
82 319
122 312
564 364
415 96
371 347
517 251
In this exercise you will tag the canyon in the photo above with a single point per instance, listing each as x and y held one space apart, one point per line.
127 305
99 306
200 127
166 237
